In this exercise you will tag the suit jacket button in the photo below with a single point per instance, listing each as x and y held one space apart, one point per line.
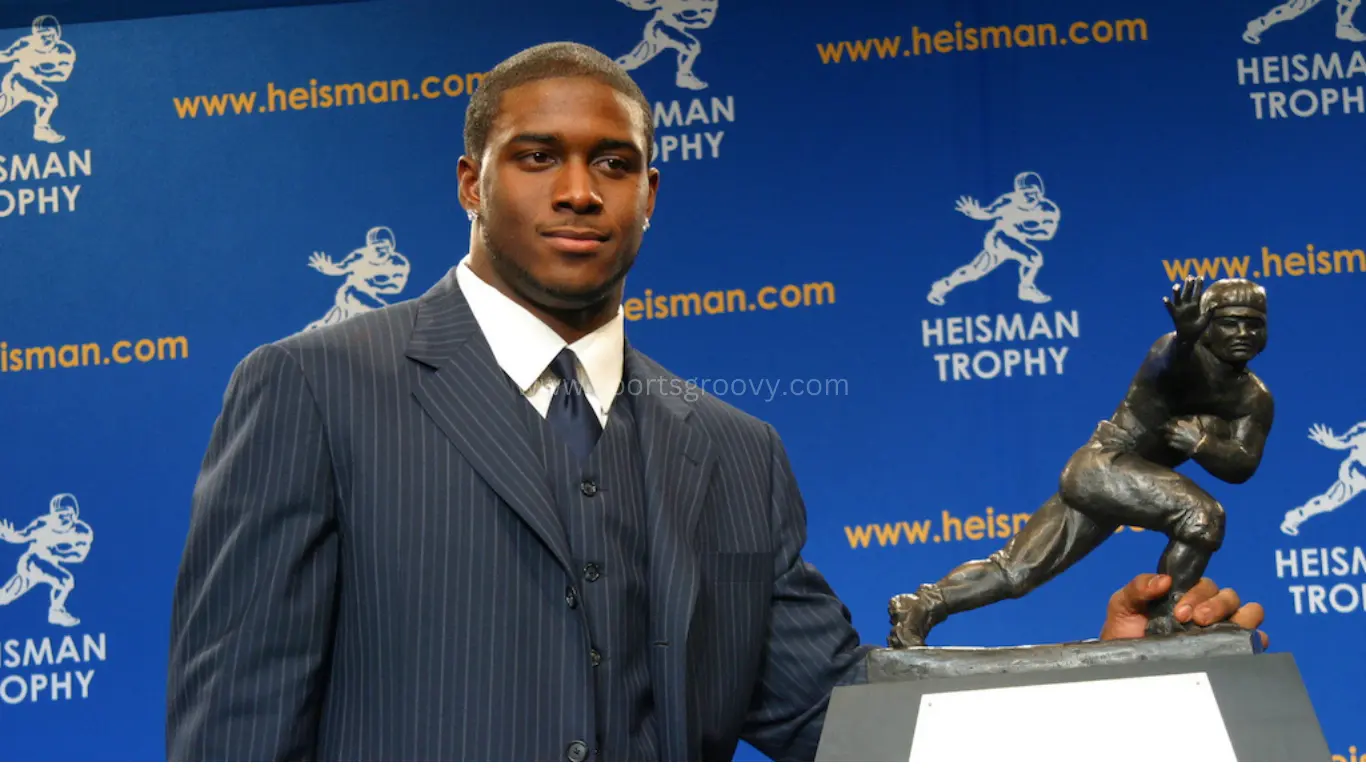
571 597
589 488
577 751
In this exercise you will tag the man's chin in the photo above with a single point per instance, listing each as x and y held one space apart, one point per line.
567 294
576 297
578 288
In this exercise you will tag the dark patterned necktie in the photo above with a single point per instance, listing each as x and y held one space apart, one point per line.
570 414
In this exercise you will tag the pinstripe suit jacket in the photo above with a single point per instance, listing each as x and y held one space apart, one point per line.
375 569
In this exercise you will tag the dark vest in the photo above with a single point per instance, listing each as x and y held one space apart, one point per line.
601 502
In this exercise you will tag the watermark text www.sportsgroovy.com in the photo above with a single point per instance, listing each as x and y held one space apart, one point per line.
732 387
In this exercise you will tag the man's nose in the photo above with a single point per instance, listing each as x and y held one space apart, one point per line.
576 189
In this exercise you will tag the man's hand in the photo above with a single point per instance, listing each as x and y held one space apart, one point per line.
1205 603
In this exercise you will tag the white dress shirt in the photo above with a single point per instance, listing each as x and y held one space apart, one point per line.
524 346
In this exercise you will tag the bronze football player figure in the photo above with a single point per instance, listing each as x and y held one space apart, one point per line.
1193 398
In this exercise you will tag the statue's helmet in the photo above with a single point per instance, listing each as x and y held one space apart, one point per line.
1234 292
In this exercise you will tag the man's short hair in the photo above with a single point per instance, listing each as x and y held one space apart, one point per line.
562 59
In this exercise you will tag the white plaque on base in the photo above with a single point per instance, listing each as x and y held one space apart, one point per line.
1075 723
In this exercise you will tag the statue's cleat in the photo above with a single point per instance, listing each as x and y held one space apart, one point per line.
911 620
1165 624
902 638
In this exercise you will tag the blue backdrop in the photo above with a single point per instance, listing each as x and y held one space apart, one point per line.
176 190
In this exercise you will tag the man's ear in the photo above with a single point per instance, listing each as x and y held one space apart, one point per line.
467 173
653 176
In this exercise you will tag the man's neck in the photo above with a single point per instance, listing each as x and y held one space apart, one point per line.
569 324
573 325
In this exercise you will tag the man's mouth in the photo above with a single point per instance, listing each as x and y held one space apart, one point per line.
574 239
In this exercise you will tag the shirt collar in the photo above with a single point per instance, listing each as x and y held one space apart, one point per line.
524 346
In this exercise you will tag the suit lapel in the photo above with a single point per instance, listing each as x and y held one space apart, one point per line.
473 402
678 460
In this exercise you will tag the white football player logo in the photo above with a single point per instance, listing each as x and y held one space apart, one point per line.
1351 475
1019 218
373 271
1293 9
40 59
668 29
54 540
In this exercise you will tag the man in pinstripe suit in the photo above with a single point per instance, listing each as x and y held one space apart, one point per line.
479 525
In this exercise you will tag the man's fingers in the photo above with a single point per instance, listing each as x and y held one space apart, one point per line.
1218 608
1222 607
1249 617
1136 595
1186 607
1204 590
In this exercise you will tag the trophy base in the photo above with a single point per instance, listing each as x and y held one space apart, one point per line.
1069 702
930 662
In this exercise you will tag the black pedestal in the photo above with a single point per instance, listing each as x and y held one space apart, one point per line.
1256 701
